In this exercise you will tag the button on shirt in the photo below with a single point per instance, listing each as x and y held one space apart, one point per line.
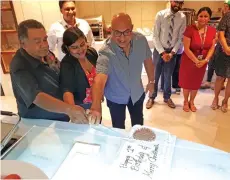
57 30
29 76
161 30
124 73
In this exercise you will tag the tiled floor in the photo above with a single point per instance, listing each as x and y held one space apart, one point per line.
205 126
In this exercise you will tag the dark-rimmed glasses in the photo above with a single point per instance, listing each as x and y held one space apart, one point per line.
119 33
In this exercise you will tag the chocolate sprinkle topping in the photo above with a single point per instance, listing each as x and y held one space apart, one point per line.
144 134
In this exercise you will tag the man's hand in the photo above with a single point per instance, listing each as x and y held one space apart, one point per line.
165 57
77 115
94 117
171 55
149 89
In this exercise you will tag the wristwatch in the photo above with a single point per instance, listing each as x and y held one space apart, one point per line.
173 53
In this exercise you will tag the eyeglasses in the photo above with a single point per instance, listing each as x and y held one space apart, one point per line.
119 33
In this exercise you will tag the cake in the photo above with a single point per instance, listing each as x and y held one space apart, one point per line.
144 134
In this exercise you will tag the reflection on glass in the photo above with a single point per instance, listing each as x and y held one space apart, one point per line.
8 26
5 4
13 47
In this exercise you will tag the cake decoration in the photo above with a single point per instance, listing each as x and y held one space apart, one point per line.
144 134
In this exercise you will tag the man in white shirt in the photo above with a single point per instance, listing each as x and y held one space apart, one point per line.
167 38
55 34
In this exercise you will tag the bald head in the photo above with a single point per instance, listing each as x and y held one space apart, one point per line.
122 29
121 20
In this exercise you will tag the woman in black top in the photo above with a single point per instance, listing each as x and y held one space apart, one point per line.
77 68
222 63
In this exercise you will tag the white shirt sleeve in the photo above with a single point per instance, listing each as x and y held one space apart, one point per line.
90 38
52 38
180 36
156 34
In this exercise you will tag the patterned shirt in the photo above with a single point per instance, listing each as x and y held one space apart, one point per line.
90 76
224 25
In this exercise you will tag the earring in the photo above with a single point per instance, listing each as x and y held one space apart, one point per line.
67 50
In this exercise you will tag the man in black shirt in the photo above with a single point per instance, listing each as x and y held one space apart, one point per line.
35 84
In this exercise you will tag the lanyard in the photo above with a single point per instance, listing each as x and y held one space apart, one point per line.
203 37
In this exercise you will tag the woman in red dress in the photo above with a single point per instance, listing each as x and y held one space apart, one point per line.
199 44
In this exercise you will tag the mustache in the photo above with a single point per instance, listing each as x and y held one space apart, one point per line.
176 9
44 51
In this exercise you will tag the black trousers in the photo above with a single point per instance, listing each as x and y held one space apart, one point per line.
118 115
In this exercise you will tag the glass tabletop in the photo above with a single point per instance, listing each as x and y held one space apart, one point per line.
51 149
46 148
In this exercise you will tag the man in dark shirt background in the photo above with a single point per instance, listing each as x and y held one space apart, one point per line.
35 84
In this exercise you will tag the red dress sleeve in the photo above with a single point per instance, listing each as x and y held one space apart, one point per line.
213 30
188 31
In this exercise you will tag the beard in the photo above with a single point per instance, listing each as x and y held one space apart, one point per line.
175 9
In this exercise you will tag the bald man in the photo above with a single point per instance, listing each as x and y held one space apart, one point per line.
119 68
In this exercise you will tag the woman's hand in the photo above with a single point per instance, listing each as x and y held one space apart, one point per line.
201 63
93 116
228 51
196 62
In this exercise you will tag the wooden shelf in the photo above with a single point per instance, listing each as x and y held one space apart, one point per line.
8 35
6 9
9 51
9 31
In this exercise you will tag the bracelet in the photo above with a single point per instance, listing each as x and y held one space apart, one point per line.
151 82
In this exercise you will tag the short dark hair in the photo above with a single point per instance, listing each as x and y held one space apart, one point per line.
205 9
25 25
70 36
228 4
61 3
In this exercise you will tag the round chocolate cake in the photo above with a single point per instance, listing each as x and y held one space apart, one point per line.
144 134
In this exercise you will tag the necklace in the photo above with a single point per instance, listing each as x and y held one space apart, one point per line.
202 35
86 65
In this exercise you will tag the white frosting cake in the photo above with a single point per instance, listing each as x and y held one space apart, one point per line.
147 158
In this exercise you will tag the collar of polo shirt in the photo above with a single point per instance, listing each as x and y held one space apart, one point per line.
33 61
119 48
